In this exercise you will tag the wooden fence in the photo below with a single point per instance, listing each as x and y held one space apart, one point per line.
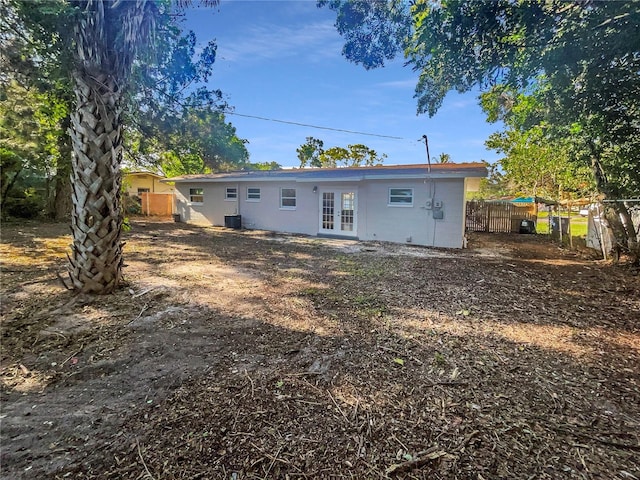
160 204
496 217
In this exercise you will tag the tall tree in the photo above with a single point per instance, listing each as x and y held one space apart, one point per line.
107 37
582 58
172 111
444 158
536 162
101 40
312 153
359 155
36 57
30 127
309 152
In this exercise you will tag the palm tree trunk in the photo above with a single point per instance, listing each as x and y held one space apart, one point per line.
95 265
107 37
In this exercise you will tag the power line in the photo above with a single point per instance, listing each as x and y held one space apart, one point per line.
314 126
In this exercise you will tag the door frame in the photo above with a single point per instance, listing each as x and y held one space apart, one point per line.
337 214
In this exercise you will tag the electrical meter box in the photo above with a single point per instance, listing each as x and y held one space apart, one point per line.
437 204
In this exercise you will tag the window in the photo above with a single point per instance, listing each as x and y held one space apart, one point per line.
401 197
231 193
143 190
288 198
196 195
253 194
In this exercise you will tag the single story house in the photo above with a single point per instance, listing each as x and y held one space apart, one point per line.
136 183
417 204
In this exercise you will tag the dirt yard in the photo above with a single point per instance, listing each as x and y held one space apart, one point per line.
247 355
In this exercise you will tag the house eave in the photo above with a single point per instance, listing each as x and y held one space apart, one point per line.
328 178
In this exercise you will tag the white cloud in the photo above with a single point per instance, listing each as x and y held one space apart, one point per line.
409 83
315 41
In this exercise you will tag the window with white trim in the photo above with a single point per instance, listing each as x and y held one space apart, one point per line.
231 193
288 198
196 195
253 194
401 197
143 190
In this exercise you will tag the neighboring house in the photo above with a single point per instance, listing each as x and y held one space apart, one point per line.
146 194
136 183
419 204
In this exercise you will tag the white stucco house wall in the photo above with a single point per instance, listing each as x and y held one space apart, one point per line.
417 204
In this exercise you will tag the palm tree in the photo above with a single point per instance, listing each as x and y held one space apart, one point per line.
108 35
444 158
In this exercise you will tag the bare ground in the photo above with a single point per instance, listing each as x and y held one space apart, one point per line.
246 355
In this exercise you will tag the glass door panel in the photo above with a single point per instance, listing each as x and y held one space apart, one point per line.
347 214
328 210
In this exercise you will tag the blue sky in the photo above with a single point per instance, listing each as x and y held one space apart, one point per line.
282 60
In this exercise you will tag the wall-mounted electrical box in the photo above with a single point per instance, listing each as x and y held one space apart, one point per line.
438 214
437 204
428 204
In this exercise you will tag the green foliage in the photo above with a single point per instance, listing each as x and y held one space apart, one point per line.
495 185
537 164
166 124
309 152
30 129
576 62
169 114
374 31
444 158
23 204
313 154
203 133
263 166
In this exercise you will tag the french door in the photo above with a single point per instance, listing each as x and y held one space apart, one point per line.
338 212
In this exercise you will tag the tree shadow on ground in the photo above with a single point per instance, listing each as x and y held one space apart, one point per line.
231 355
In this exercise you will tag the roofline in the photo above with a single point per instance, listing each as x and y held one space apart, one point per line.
452 170
140 172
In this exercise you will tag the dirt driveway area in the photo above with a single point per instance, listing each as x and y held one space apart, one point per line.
248 355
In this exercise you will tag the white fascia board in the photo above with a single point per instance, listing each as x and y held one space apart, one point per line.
230 180
426 176
330 179
337 178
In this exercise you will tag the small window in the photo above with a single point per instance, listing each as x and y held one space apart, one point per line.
231 193
253 194
288 198
401 197
196 195
143 190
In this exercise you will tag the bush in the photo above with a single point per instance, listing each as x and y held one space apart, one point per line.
27 207
132 204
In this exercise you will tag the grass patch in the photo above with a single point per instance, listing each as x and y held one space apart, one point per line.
578 226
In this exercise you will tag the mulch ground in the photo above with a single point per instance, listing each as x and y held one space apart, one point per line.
251 355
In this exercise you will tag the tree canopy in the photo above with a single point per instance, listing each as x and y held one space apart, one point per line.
125 71
579 61
172 121
313 154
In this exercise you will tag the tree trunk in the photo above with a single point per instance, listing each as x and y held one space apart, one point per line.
61 205
630 233
617 215
8 188
95 265
60 202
